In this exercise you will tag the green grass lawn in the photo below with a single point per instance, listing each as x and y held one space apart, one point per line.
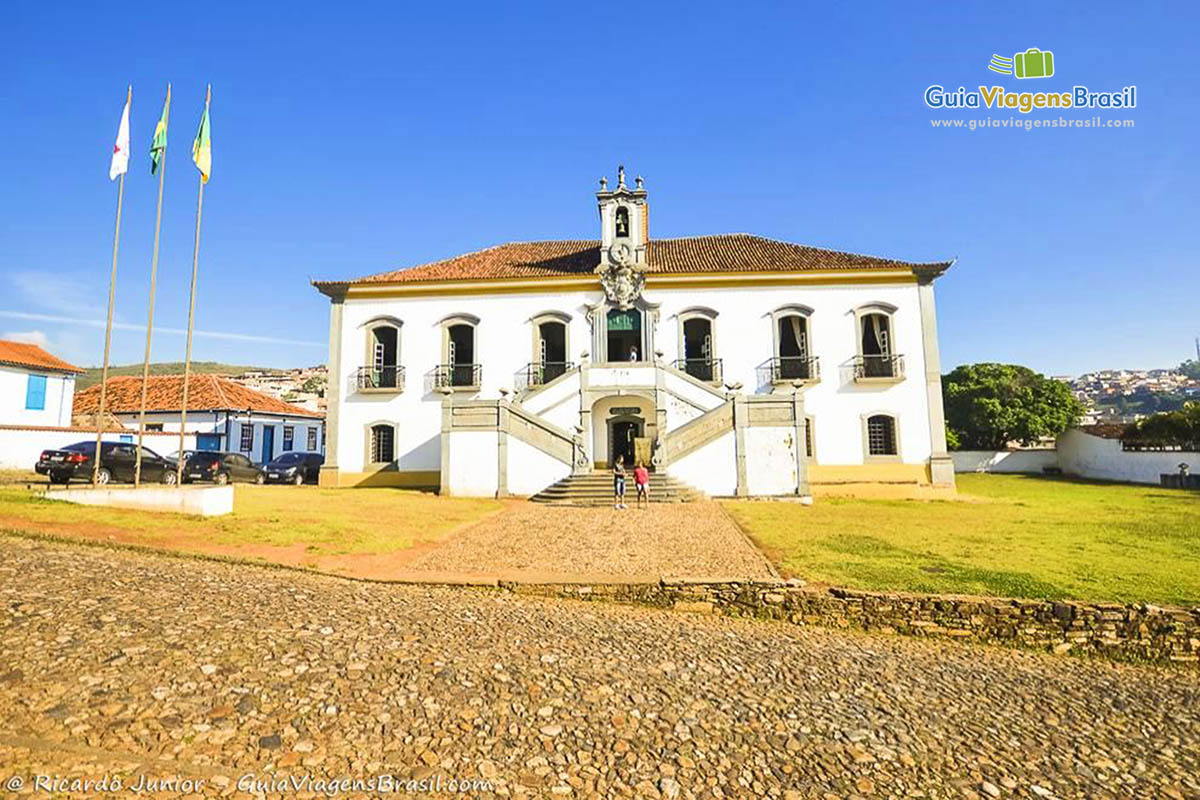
1008 535
323 522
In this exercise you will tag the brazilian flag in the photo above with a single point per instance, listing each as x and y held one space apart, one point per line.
202 147
158 147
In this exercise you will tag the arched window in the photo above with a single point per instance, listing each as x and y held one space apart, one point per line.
882 439
877 357
698 344
460 366
793 355
381 443
550 357
382 370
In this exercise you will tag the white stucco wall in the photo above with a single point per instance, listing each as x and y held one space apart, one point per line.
1015 461
712 469
20 447
1090 456
474 463
60 398
743 340
772 470
530 470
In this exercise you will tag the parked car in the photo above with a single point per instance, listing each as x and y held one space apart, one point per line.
295 468
117 463
221 468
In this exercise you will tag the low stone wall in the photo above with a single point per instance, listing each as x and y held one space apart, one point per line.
1123 632
205 501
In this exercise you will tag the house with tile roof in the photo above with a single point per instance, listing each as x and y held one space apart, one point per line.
223 414
734 364
36 388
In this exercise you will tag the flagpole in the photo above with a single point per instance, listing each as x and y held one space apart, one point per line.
162 171
187 357
112 293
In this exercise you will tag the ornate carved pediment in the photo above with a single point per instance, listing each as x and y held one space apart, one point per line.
622 285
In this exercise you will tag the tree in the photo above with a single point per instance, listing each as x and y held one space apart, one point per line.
1191 368
989 405
315 385
1169 430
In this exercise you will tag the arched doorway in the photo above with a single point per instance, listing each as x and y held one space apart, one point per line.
623 425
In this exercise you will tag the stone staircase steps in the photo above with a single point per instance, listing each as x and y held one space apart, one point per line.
596 489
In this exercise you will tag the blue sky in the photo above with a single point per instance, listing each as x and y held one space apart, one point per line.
350 139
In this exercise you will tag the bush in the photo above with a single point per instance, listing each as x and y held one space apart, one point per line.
1173 430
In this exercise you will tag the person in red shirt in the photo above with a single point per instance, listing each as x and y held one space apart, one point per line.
641 478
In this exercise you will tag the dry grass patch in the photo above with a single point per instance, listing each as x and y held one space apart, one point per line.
302 526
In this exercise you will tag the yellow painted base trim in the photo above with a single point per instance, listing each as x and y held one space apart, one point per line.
406 479
886 472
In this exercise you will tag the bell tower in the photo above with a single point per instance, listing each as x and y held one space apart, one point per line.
624 223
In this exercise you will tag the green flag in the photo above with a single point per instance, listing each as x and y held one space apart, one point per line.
158 147
202 147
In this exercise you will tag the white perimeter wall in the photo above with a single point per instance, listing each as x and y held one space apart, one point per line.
744 339
20 447
1103 459
1081 455
60 398
1003 460
712 469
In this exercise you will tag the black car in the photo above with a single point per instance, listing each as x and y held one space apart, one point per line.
295 468
117 463
221 468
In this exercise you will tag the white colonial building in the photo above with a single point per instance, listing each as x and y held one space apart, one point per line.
734 363
37 389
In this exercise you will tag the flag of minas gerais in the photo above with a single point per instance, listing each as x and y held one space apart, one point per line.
120 156
159 146
202 147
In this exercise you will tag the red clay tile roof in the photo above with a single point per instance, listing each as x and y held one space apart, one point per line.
165 393
733 252
20 354
1105 430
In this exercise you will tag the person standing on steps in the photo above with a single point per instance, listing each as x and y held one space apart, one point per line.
619 483
641 479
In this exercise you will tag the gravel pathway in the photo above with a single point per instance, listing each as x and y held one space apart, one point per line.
114 662
531 541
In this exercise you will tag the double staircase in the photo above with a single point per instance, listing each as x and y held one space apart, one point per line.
596 489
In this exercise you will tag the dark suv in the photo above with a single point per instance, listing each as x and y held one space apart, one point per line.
295 468
117 463
221 468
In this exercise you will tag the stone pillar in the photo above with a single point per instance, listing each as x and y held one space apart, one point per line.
330 473
447 424
941 467
502 422
801 428
585 413
741 417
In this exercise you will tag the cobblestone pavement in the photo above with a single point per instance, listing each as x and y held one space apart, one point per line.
531 540
114 662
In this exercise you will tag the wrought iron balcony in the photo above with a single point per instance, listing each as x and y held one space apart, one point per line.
537 374
784 369
385 378
456 376
703 369
879 367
